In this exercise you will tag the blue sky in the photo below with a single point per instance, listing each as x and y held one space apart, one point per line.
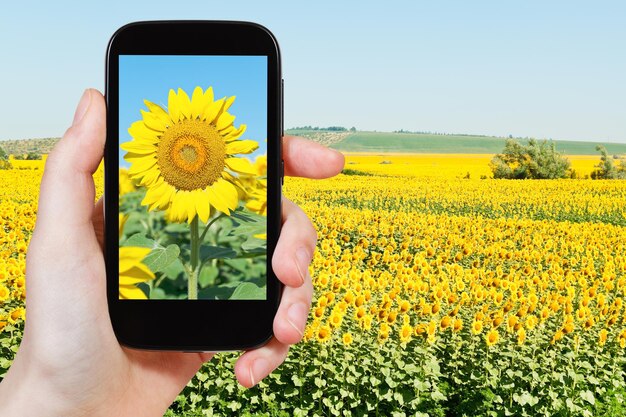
151 78
552 69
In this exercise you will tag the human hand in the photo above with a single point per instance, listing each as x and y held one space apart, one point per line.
70 362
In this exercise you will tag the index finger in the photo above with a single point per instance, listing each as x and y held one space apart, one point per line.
305 158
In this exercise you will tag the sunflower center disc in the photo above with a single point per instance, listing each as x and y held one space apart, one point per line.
191 155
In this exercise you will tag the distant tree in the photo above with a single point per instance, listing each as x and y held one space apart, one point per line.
4 160
537 160
606 168
33 156
353 129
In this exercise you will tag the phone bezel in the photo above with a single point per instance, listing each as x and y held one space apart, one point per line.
198 325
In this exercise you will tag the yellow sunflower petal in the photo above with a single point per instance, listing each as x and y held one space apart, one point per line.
255 205
138 147
225 120
122 222
190 206
164 201
183 207
216 199
227 194
148 177
197 102
240 165
235 133
229 102
203 205
131 256
139 130
208 95
130 292
172 106
158 111
212 110
184 103
139 165
241 146
178 213
153 121
154 193
135 275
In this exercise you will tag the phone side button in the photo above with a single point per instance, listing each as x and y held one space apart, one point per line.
282 172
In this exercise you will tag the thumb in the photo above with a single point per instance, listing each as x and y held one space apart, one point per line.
66 199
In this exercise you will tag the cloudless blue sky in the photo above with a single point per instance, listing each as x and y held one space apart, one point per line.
151 78
548 69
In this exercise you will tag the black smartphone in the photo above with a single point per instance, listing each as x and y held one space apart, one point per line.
193 175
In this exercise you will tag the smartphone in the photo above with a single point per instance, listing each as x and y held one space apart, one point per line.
193 175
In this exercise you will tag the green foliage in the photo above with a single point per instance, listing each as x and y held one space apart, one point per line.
537 160
606 168
26 146
5 164
323 380
422 142
3 154
348 171
30 156
233 261
461 379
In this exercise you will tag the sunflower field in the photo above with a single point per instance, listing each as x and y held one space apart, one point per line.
435 295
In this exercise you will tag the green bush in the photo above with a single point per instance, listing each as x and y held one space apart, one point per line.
606 168
537 160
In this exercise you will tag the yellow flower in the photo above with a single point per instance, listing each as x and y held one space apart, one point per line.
323 333
133 271
405 333
257 194
183 155
122 222
4 293
335 319
458 325
347 339
603 336
477 327
16 314
492 337
126 184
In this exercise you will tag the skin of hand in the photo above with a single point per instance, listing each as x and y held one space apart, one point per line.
70 362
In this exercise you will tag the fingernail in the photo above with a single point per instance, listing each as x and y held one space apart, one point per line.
83 105
259 367
296 316
302 261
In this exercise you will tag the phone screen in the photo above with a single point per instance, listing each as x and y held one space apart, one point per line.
193 177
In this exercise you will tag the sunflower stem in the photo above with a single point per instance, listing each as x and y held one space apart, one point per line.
195 255
206 229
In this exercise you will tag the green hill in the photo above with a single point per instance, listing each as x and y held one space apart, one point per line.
431 143
25 146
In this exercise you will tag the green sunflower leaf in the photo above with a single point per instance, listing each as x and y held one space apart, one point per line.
160 258
215 252
207 276
141 241
248 291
